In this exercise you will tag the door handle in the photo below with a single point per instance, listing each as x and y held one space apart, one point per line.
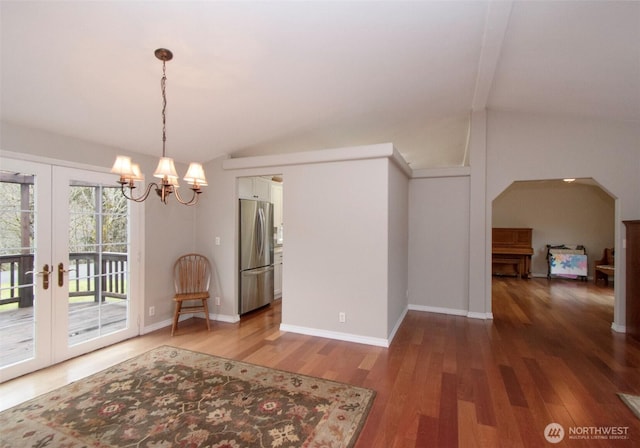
61 272
262 226
45 275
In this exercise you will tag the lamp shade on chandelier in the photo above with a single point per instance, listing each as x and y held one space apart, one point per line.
130 173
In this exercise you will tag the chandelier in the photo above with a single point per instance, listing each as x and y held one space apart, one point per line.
166 171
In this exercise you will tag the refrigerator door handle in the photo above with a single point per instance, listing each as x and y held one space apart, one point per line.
260 232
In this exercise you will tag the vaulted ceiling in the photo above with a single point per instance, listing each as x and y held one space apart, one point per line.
252 78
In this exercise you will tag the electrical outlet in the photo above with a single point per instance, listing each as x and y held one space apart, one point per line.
152 311
342 317
217 301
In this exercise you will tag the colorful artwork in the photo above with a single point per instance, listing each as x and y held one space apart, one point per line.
568 264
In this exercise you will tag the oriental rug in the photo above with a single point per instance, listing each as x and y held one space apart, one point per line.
171 397
633 402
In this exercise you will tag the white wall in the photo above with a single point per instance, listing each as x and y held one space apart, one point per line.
398 247
217 217
439 244
168 228
559 213
336 247
529 147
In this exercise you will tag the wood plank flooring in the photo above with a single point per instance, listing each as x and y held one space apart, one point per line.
549 355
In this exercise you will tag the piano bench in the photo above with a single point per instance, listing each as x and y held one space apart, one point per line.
516 263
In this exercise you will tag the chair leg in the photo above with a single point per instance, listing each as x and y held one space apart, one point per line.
206 313
602 276
176 315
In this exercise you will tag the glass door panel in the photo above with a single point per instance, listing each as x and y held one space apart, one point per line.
25 251
97 292
94 305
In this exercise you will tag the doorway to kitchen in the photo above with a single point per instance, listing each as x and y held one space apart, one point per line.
261 241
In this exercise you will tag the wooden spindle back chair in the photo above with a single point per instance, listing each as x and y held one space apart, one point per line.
192 278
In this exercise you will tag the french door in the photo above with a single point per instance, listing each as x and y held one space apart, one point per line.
65 265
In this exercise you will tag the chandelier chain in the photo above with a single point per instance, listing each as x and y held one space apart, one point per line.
163 84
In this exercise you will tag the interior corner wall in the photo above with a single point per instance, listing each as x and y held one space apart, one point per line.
163 242
335 247
398 242
335 244
439 244
217 214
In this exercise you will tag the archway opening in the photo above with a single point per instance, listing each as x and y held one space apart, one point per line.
572 213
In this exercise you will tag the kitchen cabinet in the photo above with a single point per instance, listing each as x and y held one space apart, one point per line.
277 270
257 188
633 278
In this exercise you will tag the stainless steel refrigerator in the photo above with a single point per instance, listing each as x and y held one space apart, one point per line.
256 254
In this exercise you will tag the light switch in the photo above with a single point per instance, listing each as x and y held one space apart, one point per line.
217 241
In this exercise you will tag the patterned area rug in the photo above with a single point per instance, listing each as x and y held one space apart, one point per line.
171 397
633 401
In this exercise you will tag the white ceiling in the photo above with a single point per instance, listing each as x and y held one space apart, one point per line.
252 78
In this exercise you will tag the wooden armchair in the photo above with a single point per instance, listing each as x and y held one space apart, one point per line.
606 266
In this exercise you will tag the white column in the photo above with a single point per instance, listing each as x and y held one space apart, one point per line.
479 221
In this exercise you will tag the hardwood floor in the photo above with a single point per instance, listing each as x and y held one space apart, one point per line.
548 356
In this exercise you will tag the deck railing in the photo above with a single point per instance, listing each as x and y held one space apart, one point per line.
90 274
16 269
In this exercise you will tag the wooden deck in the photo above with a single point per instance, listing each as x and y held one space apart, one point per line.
87 320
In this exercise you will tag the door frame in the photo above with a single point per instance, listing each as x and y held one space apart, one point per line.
136 271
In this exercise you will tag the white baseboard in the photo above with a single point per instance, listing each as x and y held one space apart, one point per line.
451 312
618 328
438 310
229 318
347 337
397 326
483 316
161 324
232 319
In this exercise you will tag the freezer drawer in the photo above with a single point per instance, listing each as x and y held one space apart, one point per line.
256 288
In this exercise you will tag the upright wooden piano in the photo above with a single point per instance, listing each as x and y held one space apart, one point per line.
511 251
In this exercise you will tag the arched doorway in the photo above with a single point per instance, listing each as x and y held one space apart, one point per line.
560 212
